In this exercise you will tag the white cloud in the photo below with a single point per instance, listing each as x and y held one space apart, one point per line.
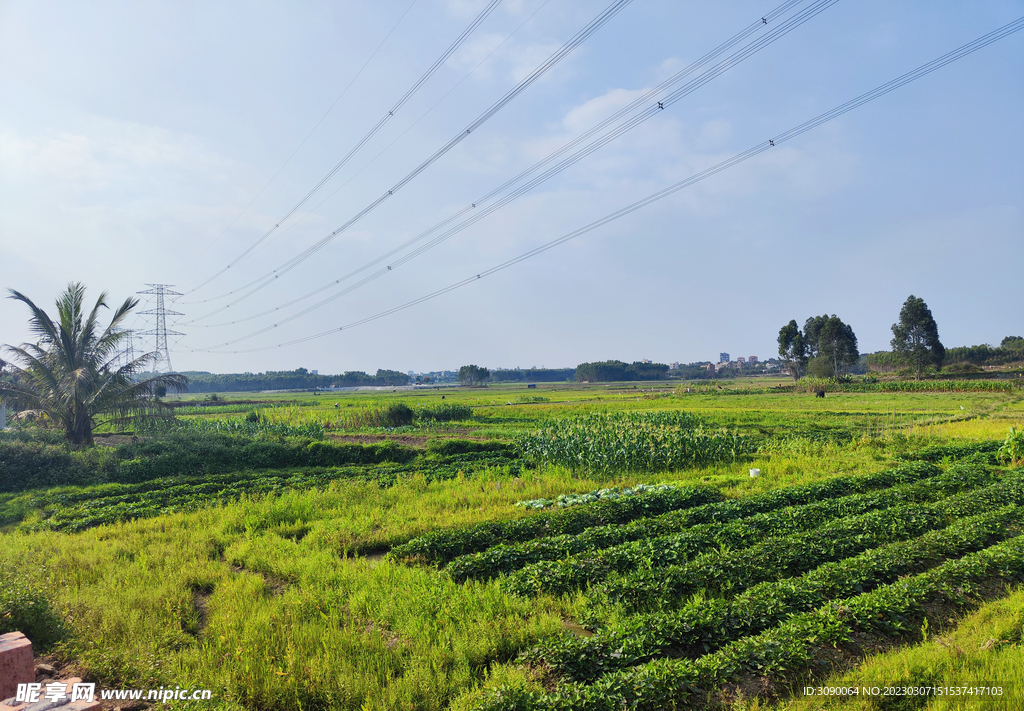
591 112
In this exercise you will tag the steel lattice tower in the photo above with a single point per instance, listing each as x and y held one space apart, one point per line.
160 332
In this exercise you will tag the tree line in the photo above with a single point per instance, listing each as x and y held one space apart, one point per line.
616 370
298 379
827 347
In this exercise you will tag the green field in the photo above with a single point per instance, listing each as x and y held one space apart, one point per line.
289 551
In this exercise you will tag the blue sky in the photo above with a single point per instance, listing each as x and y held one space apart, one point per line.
134 135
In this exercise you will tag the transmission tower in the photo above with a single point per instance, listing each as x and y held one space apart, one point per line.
160 332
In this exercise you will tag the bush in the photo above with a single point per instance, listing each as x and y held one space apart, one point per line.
397 415
24 608
1012 449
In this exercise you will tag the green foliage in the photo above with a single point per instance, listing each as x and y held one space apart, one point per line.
706 624
25 608
245 426
445 545
632 441
869 385
589 497
793 349
779 653
473 375
1012 449
67 375
444 412
28 465
916 337
397 415
952 451
453 447
617 371
831 344
593 558
776 558
1010 350
298 379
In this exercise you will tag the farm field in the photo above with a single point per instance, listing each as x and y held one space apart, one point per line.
293 550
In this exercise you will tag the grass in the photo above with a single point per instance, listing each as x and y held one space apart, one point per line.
281 601
983 650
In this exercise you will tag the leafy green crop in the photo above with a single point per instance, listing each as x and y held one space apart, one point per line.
564 575
445 545
777 653
708 624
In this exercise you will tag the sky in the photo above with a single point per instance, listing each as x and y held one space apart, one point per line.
156 142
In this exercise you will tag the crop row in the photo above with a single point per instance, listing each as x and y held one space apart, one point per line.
589 497
75 510
574 573
707 624
953 450
780 652
447 544
117 505
606 519
510 557
786 556
239 426
632 441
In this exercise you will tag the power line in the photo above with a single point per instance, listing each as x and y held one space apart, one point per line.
792 133
479 211
301 144
519 88
413 124
438 63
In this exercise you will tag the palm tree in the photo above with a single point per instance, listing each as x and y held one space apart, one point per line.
70 375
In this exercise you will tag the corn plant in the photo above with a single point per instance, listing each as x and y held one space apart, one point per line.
632 441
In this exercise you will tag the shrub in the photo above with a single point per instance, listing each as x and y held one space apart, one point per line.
24 608
1012 449
397 415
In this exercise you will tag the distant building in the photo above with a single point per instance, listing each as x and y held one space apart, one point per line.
411 374
644 360
315 372
723 357
673 366
741 360
711 368
752 359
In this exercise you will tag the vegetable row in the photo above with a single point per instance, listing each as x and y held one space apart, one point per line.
599 525
550 570
707 624
729 572
778 653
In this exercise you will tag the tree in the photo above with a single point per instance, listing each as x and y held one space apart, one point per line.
831 346
916 336
812 332
70 375
473 375
792 349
